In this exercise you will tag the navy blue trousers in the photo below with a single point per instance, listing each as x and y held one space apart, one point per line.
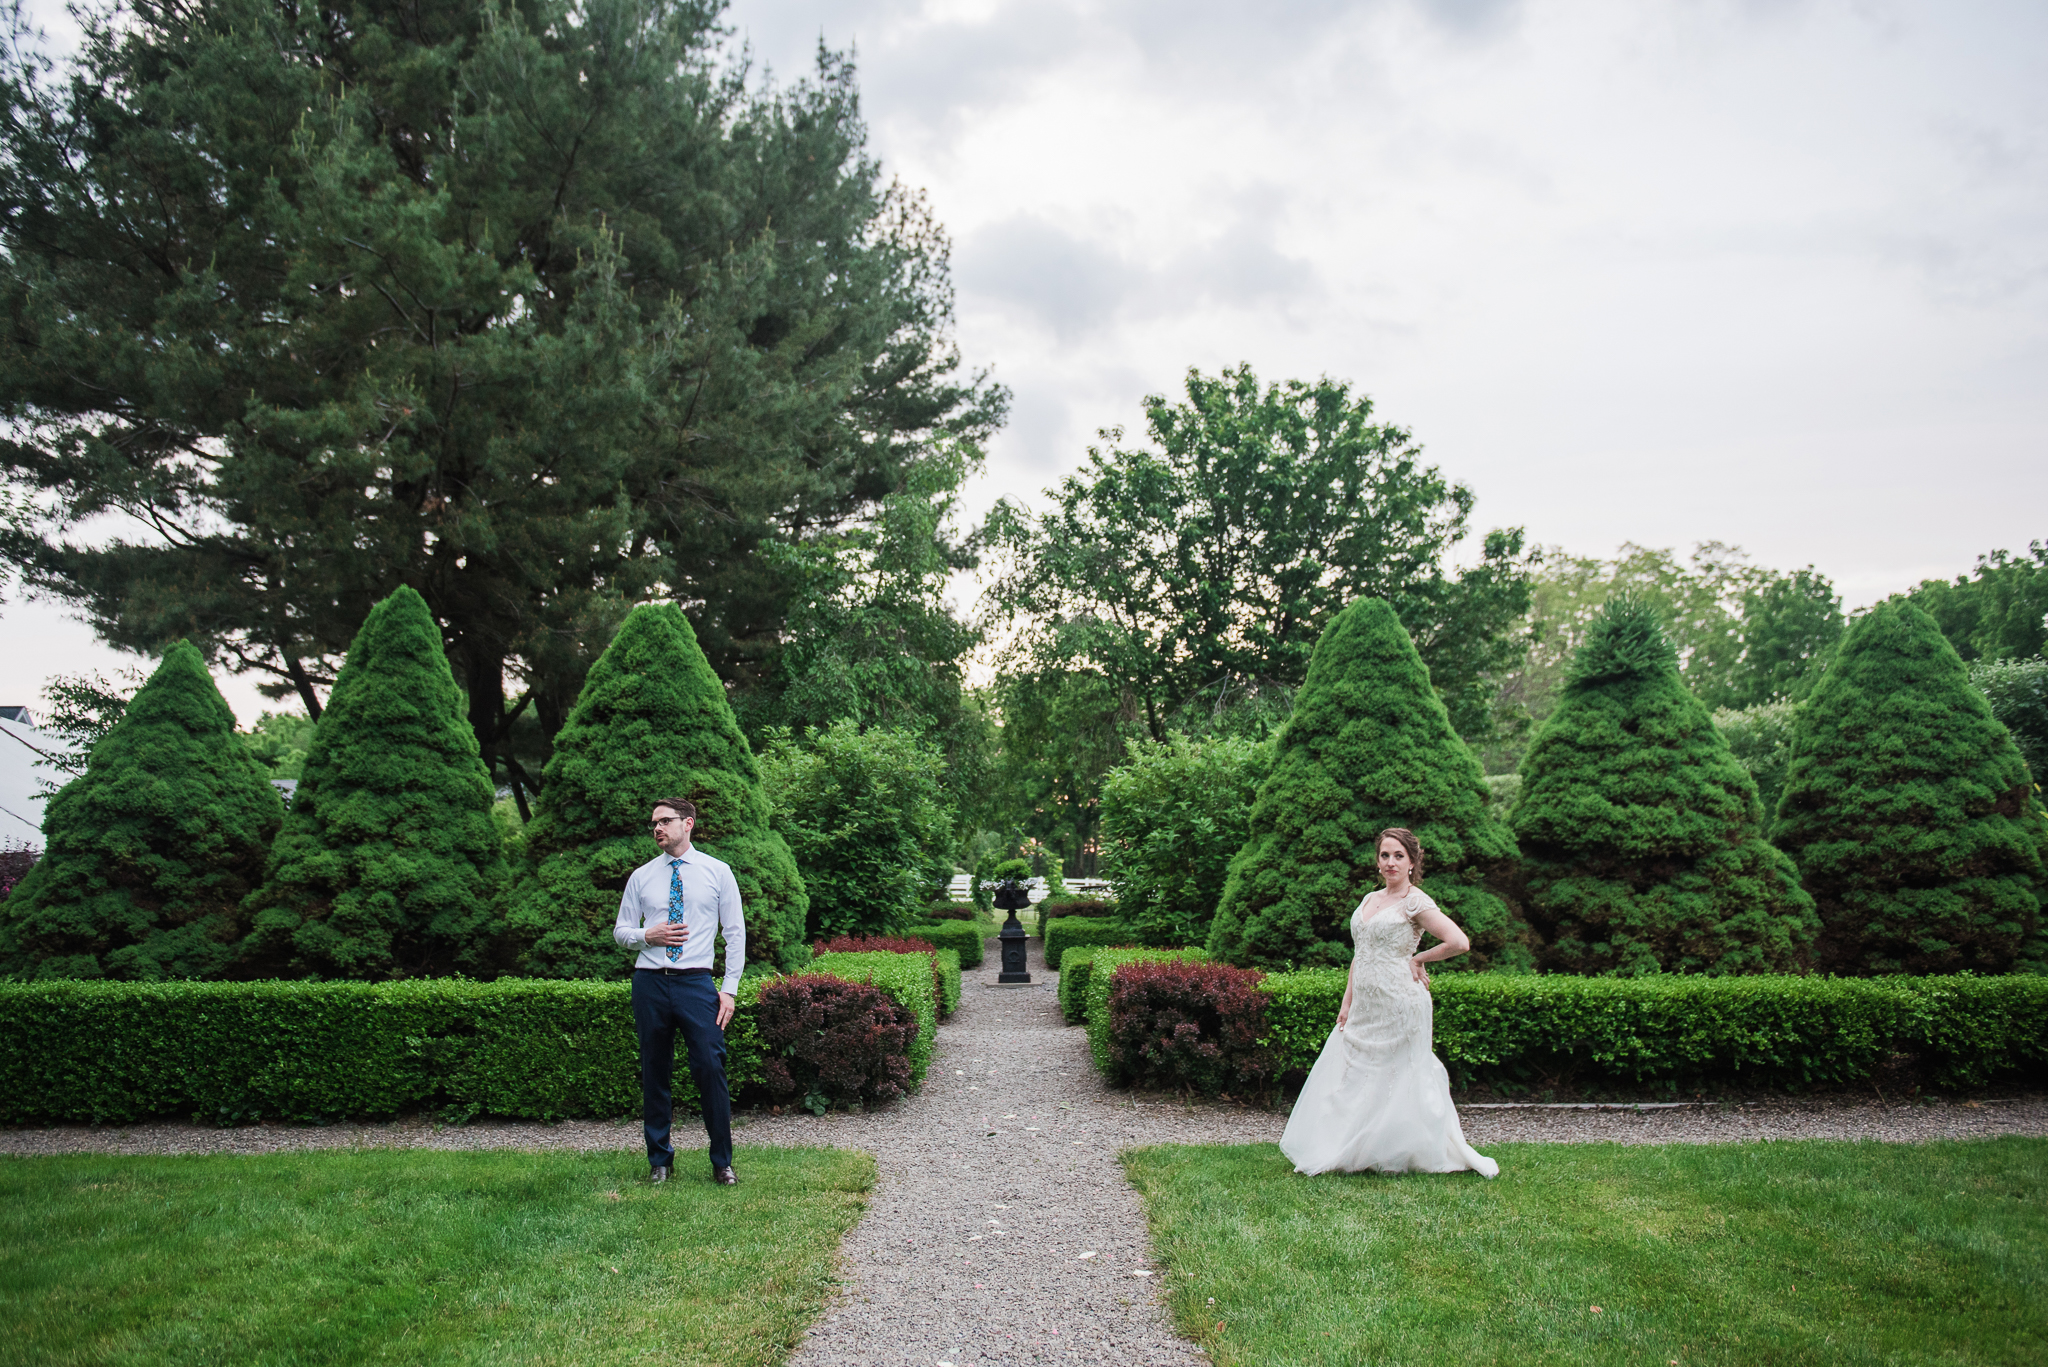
662 1005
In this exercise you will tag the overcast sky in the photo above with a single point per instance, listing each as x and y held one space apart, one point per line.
1659 271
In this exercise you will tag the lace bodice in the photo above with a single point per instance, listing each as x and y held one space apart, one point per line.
1383 938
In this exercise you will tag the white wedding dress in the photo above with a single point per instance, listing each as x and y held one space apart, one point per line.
1378 1098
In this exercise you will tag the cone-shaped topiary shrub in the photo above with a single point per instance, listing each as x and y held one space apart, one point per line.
151 850
1369 746
1908 808
1642 838
652 722
389 864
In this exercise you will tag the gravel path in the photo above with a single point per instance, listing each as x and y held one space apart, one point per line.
1001 1174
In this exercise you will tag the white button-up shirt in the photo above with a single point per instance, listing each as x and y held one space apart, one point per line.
711 902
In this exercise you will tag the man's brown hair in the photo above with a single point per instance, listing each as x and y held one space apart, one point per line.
681 806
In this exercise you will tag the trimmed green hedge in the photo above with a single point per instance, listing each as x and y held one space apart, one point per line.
225 1053
963 937
907 978
949 981
1786 1031
104 1052
1075 966
1071 932
1104 965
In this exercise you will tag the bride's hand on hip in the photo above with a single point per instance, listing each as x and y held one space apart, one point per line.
1417 971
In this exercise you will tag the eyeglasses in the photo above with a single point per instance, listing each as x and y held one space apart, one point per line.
659 822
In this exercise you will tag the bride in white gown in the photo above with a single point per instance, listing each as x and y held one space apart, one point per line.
1378 1098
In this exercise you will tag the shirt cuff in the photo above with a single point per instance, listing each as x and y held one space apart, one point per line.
731 987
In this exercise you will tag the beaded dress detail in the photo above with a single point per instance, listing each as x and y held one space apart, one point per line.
1378 1098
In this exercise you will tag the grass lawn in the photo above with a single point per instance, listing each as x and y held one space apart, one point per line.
410 1257
1804 1252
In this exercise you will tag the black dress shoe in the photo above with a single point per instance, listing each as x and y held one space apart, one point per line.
658 1175
725 1177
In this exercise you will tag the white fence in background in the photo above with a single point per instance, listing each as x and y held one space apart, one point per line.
962 887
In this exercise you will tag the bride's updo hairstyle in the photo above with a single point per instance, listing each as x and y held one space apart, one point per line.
1408 843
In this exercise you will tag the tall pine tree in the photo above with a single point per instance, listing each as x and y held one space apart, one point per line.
1909 808
652 722
1369 745
529 306
151 850
1641 833
389 864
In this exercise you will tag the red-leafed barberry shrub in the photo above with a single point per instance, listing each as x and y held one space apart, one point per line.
887 944
1189 1027
15 862
827 1041
872 944
950 911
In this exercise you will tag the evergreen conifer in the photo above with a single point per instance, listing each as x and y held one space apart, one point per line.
1369 745
389 864
1909 809
151 850
1641 833
652 722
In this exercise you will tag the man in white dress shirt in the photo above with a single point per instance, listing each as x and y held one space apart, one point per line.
672 907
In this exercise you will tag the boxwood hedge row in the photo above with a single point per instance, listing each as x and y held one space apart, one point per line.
1781 1031
962 937
1071 932
229 1052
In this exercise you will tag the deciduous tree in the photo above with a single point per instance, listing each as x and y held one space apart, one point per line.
1214 556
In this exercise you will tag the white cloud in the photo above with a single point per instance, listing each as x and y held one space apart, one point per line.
1650 270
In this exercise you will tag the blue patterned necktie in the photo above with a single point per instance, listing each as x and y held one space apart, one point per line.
675 903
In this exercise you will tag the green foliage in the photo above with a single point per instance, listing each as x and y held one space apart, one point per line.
150 852
1213 558
1641 834
1744 634
652 722
1790 625
1102 967
2017 692
948 980
280 742
543 309
905 977
867 820
1076 966
389 864
963 938
871 640
1369 746
2000 612
1063 731
1172 816
82 708
1909 809
226 1053
1072 932
1794 1032
1760 738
